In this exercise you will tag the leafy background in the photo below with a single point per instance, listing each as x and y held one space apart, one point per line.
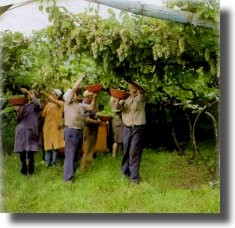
177 64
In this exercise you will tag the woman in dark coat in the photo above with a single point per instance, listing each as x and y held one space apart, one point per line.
26 135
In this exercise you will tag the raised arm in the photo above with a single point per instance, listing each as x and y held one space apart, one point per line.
93 104
51 98
90 121
25 91
31 95
76 86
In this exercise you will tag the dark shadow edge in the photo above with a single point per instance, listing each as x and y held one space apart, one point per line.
116 218
225 99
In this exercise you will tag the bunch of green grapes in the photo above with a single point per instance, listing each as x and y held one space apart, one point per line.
107 42
167 52
94 48
173 47
98 40
90 36
106 63
181 45
157 51
124 37
122 52
75 33
115 33
207 55
213 67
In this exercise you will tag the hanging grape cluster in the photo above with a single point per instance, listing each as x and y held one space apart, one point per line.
152 51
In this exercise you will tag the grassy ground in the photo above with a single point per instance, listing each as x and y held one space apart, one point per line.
169 185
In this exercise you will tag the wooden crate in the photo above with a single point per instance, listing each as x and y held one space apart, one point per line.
101 143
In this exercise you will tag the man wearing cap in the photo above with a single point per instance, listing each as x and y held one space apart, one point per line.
53 132
74 112
90 132
133 116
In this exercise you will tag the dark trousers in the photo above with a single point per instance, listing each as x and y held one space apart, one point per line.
133 147
73 144
89 140
27 167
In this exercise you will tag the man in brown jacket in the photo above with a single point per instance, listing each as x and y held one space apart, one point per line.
90 132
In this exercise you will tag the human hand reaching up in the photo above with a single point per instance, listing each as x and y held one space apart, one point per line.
23 90
17 108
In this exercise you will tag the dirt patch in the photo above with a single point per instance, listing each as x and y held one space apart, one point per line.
190 175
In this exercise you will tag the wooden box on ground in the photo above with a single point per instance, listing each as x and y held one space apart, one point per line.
101 143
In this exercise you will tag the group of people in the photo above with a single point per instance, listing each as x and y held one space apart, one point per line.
71 124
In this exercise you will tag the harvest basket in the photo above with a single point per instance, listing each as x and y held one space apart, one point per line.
15 101
104 118
119 94
94 88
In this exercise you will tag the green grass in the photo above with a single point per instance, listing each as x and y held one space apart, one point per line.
169 185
